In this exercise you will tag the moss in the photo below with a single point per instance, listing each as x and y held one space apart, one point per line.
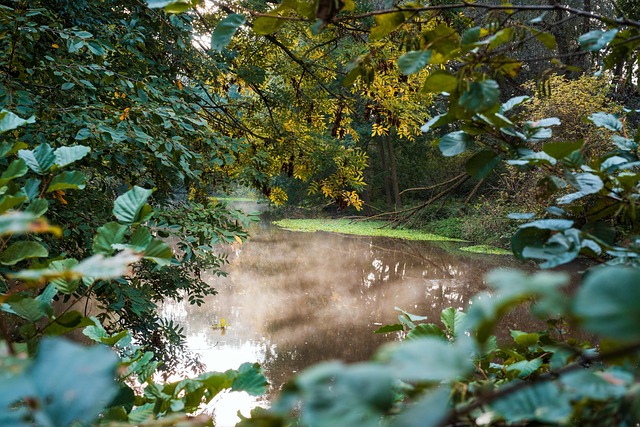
359 228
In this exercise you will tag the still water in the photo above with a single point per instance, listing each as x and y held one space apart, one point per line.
293 299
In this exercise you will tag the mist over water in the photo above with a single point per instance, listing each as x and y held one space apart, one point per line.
293 299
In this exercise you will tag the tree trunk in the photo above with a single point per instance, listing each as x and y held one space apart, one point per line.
385 170
394 174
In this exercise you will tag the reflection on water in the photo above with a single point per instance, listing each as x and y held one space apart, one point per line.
295 299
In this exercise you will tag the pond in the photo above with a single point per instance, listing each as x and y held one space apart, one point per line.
293 299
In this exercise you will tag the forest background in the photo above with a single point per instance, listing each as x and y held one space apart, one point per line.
120 119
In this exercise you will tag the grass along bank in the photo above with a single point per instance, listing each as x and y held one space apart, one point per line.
378 229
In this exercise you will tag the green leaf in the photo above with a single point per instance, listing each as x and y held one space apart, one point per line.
67 383
354 395
550 224
597 39
265 25
429 359
39 160
38 207
482 163
546 38
172 6
22 250
101 267
385 24
63 285
129 207
67 86
250 379
428 411
607 303
425 330
158 252
440 81
525 367
586 183
225 30
67 155
389 328
512 103
66 323
27 308
541 402
525 339
481 96
10 121
560 150
624 143
453 321
16 169
109 234
67 180
607 121
414 61
455 143
611 384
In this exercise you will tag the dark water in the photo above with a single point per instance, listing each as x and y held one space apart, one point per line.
294 299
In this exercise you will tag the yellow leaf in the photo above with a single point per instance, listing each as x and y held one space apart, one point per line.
55 46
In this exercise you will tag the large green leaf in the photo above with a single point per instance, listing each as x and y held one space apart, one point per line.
597 39
428 359
440 81
10 121
224 31
64 286
386 24
607 303
266 25
128 207
540 402
102 267
455 143
158 252
355 395
425 330
109 234
482 163
586 183
67 155
453 321
22 250
607 121
66 384
67 180
27 308
250 379
428 411
16 169
560 150
39 160
480 96
414 61
173 6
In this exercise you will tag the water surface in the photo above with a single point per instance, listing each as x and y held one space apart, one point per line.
293 299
